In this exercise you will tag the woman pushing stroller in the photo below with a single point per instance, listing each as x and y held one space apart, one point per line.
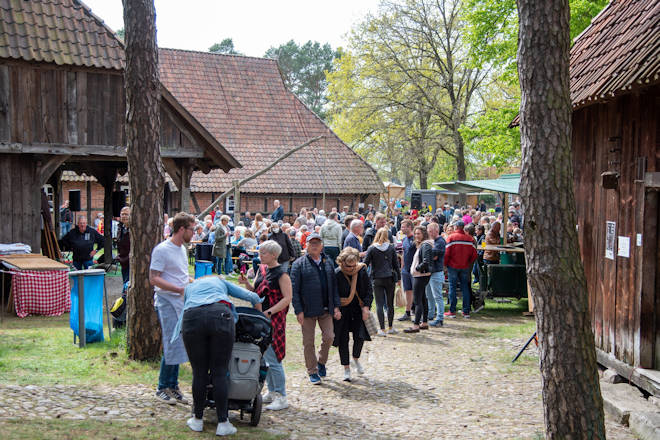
207 326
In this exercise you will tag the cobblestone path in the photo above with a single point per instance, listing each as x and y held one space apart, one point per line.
454 382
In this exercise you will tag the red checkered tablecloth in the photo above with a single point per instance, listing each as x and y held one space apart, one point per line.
41 292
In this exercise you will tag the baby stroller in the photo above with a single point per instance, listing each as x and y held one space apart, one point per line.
247 369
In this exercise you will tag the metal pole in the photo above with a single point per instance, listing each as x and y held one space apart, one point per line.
529 341
107 309
82 337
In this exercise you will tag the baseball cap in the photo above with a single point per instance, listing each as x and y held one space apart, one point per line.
459 224
313 236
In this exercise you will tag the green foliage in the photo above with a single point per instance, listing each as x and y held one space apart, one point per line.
304 70
121 33
226 46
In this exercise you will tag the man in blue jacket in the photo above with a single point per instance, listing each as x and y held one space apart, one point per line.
278 213
315 299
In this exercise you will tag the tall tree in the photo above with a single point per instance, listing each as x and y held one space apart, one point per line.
303 69
226 46
145 172
573 407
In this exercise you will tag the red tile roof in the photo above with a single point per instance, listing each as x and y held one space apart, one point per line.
619 50
65 32
243 102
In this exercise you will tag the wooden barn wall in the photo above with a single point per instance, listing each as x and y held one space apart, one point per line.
47 104
20 207
614 136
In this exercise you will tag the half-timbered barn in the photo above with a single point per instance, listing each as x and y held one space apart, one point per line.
62 107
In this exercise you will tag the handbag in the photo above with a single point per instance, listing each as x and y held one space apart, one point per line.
399 297
371 324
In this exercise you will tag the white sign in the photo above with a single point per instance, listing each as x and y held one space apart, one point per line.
610 233
639 240
624 247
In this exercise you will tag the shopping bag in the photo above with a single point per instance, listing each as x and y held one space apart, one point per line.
371 324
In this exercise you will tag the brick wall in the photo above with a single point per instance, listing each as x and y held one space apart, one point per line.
96 193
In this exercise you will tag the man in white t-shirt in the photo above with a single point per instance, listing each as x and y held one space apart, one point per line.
168 274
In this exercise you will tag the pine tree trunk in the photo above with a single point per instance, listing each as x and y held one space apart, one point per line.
145 171
573 406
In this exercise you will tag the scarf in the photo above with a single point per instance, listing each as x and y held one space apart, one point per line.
351 276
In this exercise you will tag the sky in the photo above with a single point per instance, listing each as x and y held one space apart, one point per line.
254 25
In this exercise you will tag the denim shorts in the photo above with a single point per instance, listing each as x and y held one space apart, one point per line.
407 281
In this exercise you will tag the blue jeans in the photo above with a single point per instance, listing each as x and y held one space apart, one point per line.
65 227
275 379
219 264
459 276
229 264
80 265
434 295
169 375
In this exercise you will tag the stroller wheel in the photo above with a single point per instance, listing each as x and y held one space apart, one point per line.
256 410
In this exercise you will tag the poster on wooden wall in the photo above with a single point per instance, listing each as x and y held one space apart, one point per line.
609 239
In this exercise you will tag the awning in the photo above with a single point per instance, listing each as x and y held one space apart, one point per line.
506 183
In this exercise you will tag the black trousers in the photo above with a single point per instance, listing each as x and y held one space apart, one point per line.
208 335
352 316
384 293
421 305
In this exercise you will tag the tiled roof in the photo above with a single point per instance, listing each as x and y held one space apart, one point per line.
243 102
65 32
619 50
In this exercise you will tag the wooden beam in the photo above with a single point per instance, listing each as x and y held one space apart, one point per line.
648 380
47 167
257 174
194 200
184 189
173 170
87 150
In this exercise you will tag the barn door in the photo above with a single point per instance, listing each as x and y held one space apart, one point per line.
650 298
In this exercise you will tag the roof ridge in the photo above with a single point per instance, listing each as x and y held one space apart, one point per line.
100 22
217 54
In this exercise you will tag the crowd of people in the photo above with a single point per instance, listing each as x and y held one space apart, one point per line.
330 268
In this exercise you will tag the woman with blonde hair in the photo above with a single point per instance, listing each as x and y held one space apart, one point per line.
385 271
355 295
258 225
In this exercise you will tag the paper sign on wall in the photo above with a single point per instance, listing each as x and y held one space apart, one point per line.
610 230
639 240
624 247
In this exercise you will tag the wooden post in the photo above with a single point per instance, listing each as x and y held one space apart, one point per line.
89 203
57 201
505 214
184 188
237 201
107 218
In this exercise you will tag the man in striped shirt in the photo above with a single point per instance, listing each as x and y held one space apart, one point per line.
460 254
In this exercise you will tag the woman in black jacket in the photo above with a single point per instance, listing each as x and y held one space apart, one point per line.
278 236
384 264
421 273
355 297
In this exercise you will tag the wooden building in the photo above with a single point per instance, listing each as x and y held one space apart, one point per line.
615 92
62 107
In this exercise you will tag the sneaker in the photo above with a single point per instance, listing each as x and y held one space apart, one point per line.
436 323
411 330
195 424
322 370
269 397
225 428
405 317
380 332
165 397
279 403
175 393
450 315
466 315
347 375
358 366
392 331
315 379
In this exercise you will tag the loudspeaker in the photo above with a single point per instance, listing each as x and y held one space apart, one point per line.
74 200
415 201
118 202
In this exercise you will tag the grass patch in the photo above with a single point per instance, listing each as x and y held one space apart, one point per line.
39 351
30 429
